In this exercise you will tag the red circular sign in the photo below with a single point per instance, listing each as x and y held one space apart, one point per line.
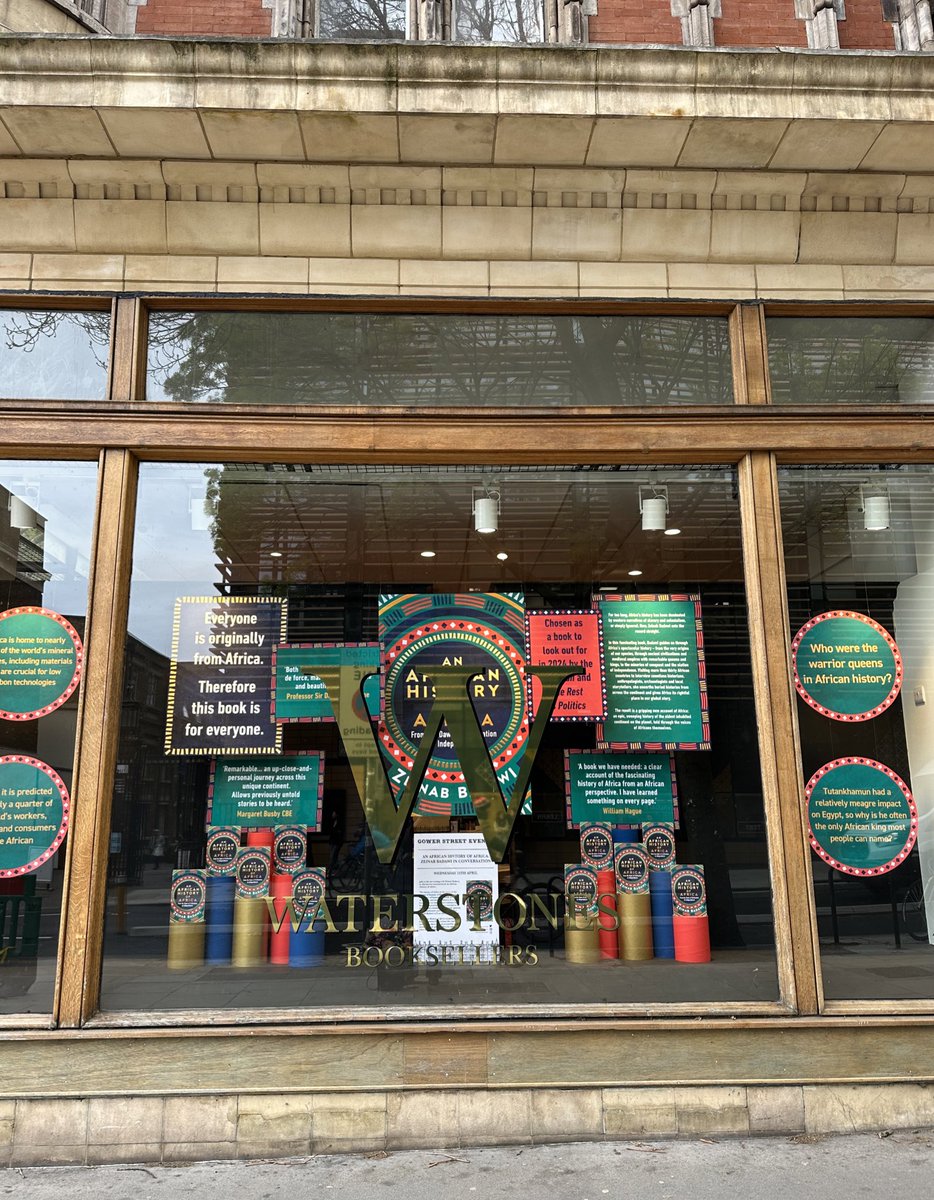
801 686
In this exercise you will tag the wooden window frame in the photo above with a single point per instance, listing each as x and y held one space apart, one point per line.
751 434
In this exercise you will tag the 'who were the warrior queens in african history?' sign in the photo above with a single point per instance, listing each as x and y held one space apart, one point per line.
656 676
220 681
847 666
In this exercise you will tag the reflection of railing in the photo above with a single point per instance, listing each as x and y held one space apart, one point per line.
19 939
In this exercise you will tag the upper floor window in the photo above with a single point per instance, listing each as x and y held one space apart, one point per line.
503 21
364 19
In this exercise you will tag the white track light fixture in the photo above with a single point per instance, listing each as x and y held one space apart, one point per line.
653 505
876 508
486 509
22 515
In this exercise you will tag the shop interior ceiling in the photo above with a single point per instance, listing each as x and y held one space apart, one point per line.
558 525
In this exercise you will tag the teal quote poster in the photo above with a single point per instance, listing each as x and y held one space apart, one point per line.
300 697
656 675
619 789
261 792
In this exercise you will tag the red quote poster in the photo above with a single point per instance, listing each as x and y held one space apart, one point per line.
570 637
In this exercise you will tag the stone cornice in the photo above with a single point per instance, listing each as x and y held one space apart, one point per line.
597 107
394 77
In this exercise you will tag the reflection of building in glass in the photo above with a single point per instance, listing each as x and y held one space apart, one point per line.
158 802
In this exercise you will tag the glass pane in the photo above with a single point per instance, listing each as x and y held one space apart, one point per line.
851 360
46 518
369 19
859 554
353 566
461 361
499 20
53 355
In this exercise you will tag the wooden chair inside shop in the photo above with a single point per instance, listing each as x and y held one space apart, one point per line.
20 914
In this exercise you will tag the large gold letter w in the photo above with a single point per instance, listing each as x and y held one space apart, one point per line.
385 817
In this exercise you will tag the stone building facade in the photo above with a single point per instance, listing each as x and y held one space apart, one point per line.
663 162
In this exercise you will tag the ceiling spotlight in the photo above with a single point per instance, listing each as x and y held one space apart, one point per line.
502 556
635 572
672 532
275 553
486 509
22 515
876 508
653 505
427 553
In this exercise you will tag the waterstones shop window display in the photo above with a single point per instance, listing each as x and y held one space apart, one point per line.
437 735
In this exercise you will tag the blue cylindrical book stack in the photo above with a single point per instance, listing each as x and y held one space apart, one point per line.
663 935
218 933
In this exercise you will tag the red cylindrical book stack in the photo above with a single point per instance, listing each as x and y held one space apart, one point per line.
262 837
692 939
280 892
607 921
689 921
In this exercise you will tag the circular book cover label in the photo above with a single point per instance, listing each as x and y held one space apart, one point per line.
188 897
632 869
689 892
659 843
253 871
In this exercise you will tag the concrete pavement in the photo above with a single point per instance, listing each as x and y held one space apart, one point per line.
806 1167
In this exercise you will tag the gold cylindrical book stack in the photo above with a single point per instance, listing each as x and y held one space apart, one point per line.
582 939
249 931
635 926
186 945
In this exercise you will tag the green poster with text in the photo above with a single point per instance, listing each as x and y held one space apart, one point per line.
656 678
619 789
258 793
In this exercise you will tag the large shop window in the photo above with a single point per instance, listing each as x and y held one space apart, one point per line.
296 635
859 554
464 361
46 518
53 354
851 360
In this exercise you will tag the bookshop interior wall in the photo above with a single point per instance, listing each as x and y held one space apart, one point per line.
427 732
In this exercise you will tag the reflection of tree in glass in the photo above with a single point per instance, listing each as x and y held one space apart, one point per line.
26 331
863 359
420 360
362 19
53 354
499 20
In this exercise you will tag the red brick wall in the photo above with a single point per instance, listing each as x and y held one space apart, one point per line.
222 18
864 28
636 22
765 23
